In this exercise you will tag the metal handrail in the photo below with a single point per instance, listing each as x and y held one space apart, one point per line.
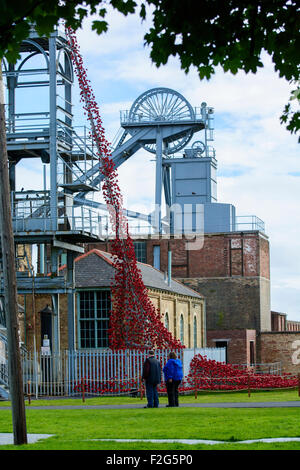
79 218
125 117
254 222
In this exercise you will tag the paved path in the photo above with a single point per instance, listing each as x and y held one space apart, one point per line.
279 404
8 438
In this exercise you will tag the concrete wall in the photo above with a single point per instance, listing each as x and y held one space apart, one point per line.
265 302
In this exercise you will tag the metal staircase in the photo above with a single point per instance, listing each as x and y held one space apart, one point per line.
40 126
48 135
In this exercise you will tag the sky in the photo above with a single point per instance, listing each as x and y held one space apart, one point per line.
258 159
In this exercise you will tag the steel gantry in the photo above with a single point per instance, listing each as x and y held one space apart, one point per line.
40 127
162 122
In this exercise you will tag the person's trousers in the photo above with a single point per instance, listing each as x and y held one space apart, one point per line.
172 391
152 395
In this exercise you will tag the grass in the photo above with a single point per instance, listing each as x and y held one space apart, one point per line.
202 397
76 429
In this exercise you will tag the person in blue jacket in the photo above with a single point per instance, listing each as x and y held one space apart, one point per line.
173 376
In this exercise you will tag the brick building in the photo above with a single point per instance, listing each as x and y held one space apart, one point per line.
182 309
231 270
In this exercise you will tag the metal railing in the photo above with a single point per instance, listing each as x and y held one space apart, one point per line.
249 222
126 117
31 212
273 368
242 223
105 371
26 126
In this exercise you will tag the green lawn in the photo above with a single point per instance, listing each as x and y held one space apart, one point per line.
202 397
76 429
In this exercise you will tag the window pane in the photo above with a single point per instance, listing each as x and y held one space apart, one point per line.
167 320
94 312
181 329
87 334
102 336
140 251
103 313
103 304
87 304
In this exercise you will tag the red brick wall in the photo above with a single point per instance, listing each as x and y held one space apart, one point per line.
281 347
179 256
211 260
238 349
222 255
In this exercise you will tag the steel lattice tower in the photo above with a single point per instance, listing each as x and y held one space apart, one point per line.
40 127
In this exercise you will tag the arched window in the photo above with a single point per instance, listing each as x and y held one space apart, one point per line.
195 331
181 329
167 320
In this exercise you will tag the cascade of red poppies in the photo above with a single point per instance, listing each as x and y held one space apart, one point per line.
207 374
134 321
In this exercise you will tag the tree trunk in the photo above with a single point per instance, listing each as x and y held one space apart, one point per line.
10 287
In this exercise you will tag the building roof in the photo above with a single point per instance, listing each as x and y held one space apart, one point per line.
96 269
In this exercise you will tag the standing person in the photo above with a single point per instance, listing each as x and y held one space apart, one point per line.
152 377
173 376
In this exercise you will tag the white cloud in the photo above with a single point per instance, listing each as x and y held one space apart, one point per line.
123 35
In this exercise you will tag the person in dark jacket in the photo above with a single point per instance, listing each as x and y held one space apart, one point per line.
152 377
173 376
